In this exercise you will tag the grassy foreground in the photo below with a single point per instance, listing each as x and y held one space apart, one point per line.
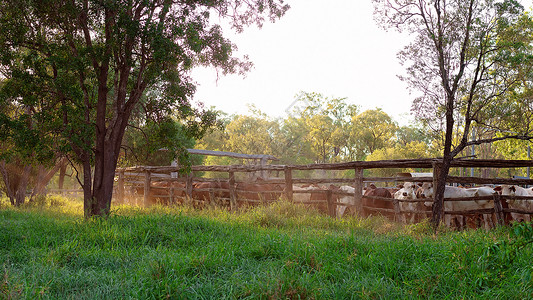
276 252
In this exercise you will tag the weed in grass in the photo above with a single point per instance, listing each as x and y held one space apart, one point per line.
290 289
4 202
498 259
9 290
43 201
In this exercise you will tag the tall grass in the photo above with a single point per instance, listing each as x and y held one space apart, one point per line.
281 251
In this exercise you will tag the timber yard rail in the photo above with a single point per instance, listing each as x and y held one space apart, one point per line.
150 174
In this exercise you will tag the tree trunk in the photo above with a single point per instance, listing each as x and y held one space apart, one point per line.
62 172
439 189
44 177
7 182
447 154
88 199
20 193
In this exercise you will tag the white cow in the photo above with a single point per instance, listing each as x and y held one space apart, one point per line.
456 192
301 197
514 190
407 192
347 199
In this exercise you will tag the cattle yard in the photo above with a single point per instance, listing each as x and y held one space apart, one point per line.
334 196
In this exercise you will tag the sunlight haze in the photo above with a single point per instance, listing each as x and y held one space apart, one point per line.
330 47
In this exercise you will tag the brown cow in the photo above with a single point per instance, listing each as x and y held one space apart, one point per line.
368 204
252 194
349 200
160 193
210 193
318 197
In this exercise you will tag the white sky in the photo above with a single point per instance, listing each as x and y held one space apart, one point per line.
331 47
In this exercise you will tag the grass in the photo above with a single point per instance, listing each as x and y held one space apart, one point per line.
47 251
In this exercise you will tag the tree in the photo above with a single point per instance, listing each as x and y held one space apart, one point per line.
470 60
19 177
320 135
411 133
411 150
84 66
155 144
371 130
318 127
255 134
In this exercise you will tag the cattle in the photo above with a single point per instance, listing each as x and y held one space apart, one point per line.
514 190
456 192
373 206
346 199
159 192
210 193
409 209
251 194
312 195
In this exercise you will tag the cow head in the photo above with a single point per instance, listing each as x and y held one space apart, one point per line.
426 191
406 192
506 190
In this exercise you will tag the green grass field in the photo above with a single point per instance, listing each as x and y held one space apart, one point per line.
49 251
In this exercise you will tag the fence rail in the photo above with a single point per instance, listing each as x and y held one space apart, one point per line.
144 176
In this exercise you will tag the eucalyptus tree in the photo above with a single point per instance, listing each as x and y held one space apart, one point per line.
82 67
252 134
471 63
319 127
371 130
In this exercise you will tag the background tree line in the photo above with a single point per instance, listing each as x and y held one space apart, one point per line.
318 129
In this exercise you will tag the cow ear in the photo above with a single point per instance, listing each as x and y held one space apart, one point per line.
400 186
512 188
372 186
420 184
498 188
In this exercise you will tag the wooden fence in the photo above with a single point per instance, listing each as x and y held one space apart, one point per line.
151 174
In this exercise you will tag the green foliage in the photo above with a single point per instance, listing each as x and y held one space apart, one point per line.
317 130
252 134
44 201
500 259
157 144
411 150
371 130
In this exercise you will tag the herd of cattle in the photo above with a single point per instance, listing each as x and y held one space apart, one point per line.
414 200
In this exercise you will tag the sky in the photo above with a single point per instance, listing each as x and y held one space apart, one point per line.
331 47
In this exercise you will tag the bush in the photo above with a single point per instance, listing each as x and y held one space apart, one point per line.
43 201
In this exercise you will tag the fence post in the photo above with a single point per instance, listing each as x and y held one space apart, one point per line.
171 196
358 193
498 209
120 187
397 212
288 184
188 186
232 193
147 179
331 205
264 173
436 172
212 203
